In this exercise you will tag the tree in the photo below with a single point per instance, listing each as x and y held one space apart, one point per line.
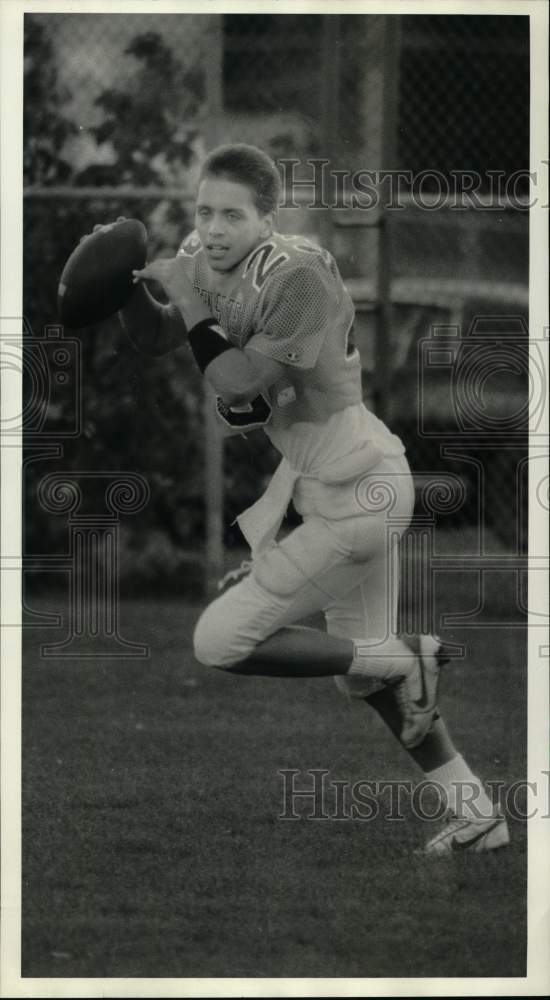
147 123
46 128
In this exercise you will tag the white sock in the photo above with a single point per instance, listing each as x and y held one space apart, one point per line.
466 796
386 659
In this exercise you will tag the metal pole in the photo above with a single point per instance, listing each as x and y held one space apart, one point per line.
330 76
390 101
213 443
213 494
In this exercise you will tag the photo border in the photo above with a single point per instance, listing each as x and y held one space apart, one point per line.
537 981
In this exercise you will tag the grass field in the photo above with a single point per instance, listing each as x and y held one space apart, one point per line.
151 839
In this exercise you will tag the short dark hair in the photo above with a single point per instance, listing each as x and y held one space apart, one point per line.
248 165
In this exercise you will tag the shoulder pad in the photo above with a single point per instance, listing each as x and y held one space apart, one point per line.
301 247
191 244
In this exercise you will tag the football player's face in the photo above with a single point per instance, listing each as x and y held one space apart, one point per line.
228 222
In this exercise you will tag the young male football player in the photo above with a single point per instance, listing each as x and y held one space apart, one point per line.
268 320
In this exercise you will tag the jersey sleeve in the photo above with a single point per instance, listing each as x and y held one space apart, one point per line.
188 254
293 316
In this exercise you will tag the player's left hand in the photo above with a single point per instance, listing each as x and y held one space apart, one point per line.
170 273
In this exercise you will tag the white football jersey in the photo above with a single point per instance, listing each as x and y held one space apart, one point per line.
287 301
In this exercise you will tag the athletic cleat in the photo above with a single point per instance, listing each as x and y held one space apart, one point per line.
416 694
473 835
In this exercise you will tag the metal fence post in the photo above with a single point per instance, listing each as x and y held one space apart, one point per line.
390 98
329 88
381 94
213 442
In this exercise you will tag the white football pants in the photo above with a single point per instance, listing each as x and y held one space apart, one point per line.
348 568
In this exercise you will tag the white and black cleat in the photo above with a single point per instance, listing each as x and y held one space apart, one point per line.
416 694
475 836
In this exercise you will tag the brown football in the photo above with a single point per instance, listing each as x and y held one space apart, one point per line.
97 278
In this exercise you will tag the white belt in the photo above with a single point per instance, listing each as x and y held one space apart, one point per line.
261 522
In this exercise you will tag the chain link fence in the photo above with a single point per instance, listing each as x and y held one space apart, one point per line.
119 110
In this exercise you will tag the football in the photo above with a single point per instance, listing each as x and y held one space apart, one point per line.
97 278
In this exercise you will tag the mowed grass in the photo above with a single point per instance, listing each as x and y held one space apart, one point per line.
151 839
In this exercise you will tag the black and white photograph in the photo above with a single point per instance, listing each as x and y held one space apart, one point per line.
274 440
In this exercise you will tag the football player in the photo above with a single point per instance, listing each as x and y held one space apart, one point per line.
268 320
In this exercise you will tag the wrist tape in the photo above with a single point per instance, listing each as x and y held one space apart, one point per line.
207 341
